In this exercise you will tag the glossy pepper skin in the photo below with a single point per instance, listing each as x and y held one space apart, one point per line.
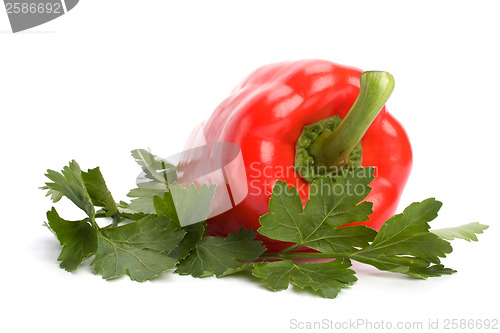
265 115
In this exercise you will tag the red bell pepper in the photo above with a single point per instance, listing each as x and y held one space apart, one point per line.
268 112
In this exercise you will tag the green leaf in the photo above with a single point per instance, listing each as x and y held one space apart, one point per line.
194 233
136 249
330 205
148 160
242 268
326 279
98 191
70 184
216 255
156 168
404 244
160 172
128 215
192 205
164 206
466 231
283 222
143 199
78 238
55 196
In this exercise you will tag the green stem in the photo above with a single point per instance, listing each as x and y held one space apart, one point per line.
291 248
115 218
304 255
94 223
332 149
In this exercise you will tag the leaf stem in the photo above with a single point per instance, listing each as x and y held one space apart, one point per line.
291 248
305 255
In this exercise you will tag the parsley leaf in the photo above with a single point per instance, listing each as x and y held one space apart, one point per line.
192 205
78 238
98 191
164 206
404 243
185 206
142 201
158 173
167 227
466 231
194 232
326 278
70 184
155 168
136 249
330 206
216 255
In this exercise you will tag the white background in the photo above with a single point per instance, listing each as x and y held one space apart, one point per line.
115 75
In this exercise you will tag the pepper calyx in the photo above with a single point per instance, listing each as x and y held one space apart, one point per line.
305 162
329 151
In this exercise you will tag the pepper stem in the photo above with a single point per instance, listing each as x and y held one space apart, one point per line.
332 149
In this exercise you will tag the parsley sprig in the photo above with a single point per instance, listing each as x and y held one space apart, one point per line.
147 236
